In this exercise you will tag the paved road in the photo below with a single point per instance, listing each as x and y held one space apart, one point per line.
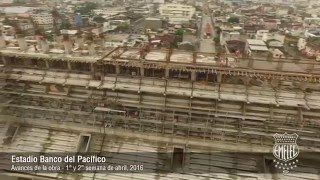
206 45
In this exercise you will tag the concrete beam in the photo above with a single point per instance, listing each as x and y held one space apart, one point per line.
227 147
154 137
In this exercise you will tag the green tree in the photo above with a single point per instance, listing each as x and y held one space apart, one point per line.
99 19
273 30
19 1
65 25
179 32
49 36
218 30
174 44
86 8
217 40
233 20
291 10
123 26
6 21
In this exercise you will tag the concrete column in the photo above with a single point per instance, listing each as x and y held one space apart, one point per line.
67 47
304 85
91 49
39 44
4 60
2 42
47 64
117 69
80 42
246 81
300 115
193 76
58 40
244 106
274 83
44 46
250 65
167 73
93 70
310 67
271 112
69 65
219 77
22 44
280 66
141 71
47 89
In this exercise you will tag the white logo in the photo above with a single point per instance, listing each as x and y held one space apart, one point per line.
286 151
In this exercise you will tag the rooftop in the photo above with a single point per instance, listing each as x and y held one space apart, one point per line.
152 18
256 42
258 48
15 9
117 37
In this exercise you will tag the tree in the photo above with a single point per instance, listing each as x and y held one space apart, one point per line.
174 44
217 40
7 21
19 1
99 19
86 8
50 37
291 10
233 20
65 25
218 30
123 26
179 32
273 30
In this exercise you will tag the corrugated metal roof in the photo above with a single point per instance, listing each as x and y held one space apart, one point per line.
258 48
256 42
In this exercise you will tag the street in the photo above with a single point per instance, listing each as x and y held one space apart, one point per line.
206 45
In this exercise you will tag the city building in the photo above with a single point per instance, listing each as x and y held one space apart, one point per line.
177 13
256 47
309 47
153 23
42 18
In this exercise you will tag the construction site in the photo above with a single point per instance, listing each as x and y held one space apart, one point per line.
215 113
